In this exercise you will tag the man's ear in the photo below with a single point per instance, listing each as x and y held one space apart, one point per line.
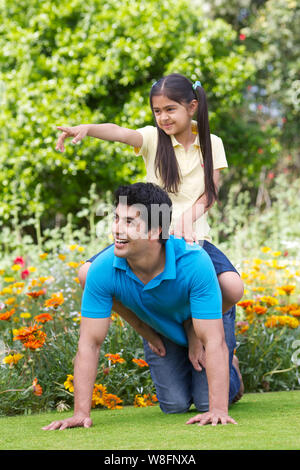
154 233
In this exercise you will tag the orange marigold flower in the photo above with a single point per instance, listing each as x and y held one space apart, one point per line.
43 318
114 358
270 301
99 395
242 326
55 300
139 402
281 320
36 388
259 310
245 303
7 315
140 362
36 293
287 289
112 402
295 313
32 337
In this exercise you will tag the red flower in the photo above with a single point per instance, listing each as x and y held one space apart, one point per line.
25 274
19 260
242 37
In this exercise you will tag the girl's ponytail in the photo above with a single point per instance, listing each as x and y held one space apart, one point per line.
205 144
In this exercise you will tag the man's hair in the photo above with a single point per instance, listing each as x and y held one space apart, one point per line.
156 204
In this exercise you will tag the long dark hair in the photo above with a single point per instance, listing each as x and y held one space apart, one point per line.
178 88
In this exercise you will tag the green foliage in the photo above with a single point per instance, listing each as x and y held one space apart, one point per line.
71 62
274 36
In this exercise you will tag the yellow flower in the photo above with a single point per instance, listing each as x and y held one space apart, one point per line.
139 402
286 290
72 247
10 301
12 359
2 271
265 249
19 284
270 301
80 249
62 257
99 395
25 315
73 264
43 255
281 320
68 384
16 267
276 253
31 269
9 279
6 290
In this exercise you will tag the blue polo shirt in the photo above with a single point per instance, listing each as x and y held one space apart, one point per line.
187 288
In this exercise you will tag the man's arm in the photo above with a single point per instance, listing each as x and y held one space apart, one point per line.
211 333
155 342
92 335
196 349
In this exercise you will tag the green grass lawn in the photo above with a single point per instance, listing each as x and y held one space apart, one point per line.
265 421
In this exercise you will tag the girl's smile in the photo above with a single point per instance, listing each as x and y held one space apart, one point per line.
174 118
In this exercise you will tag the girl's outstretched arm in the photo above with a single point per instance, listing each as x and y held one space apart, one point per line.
111 132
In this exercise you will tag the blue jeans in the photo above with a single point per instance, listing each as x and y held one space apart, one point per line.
178 384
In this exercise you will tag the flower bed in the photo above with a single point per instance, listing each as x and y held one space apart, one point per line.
40 318
268 320
39 324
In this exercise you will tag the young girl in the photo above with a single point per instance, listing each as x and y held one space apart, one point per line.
184 159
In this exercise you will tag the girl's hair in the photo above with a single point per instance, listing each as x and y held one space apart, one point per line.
178 88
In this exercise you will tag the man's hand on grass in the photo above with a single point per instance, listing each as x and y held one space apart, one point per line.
74 422
213 417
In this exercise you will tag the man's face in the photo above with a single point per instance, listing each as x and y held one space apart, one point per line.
130 231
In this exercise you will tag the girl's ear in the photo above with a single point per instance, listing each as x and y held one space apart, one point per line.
193 105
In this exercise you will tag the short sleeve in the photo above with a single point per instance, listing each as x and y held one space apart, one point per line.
98 291
218 153
205 293
149 134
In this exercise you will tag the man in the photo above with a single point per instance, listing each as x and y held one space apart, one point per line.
173 290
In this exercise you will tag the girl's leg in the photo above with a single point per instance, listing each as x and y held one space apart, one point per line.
231 284
82 273
232 288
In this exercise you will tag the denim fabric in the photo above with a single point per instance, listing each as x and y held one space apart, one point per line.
219 259
177 383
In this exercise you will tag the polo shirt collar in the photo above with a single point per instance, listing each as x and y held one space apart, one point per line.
196 143
168 273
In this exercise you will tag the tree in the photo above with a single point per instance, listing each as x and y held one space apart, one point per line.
70 62
274 37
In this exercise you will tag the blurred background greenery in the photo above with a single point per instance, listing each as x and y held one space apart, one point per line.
72 62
